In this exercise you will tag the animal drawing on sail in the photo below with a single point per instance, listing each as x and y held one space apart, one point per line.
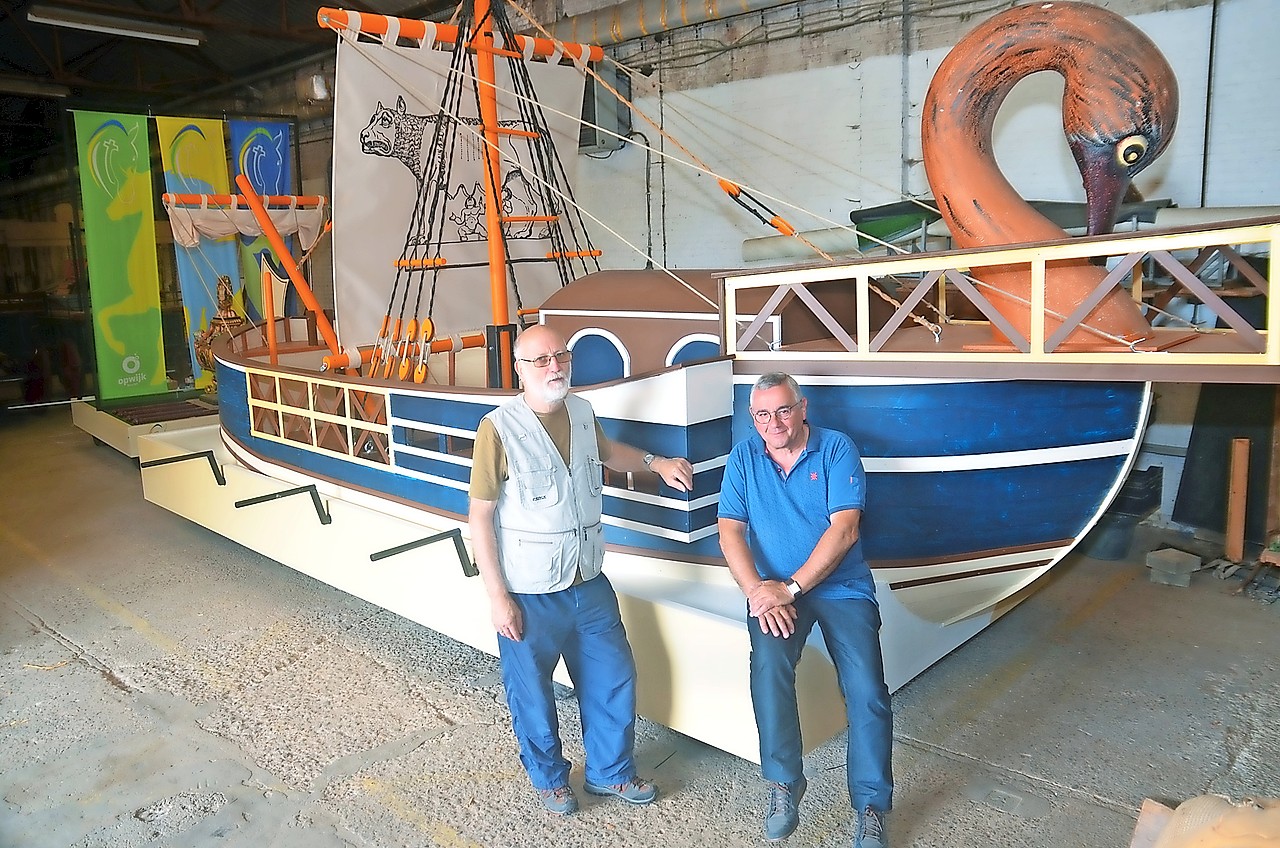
1119 109
401 135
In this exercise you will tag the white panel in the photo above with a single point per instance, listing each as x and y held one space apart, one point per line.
687 395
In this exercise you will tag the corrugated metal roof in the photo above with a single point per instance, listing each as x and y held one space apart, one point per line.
97 71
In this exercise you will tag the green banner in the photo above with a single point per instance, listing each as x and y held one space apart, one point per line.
120 245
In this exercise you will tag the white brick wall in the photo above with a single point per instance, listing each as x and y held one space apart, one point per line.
1245 127
830 138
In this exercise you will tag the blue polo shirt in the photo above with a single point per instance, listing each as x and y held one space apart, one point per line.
787 514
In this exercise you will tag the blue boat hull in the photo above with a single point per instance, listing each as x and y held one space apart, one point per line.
974 487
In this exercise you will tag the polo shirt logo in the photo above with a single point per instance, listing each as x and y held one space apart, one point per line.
813 475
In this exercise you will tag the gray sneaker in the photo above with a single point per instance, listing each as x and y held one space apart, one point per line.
559 801
636 791
783 812
871 830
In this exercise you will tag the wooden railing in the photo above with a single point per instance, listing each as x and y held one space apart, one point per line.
921 331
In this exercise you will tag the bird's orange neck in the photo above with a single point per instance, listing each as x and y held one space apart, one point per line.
975 199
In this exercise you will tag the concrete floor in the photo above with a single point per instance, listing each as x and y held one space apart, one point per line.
162 686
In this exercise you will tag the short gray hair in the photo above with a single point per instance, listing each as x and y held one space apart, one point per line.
778 378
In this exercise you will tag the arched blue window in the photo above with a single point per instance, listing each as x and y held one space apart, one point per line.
598 357
698 346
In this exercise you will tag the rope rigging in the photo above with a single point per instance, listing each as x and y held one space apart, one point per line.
531 191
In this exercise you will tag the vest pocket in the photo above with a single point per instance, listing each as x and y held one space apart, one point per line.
595 475
591 557
531 564
537 488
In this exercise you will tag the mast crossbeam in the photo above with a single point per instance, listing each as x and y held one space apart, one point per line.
576 254
433 262
522 133
495 51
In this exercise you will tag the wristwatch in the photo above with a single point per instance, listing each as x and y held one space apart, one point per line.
794 588
648 460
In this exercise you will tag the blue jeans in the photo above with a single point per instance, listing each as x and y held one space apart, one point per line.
851 630
581 624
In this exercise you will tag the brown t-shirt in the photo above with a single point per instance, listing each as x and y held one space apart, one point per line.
489 459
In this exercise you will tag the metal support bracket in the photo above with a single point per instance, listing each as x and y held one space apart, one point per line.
321 512
208 454
468 567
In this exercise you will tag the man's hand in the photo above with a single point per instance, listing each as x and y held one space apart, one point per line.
768 595
507 618
779 621
676 472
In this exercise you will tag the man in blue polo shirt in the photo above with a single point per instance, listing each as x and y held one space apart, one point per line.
790 507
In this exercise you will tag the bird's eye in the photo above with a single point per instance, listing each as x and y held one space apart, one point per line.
1130 151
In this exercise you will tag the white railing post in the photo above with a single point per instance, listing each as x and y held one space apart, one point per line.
1273 301
863 299
1037 307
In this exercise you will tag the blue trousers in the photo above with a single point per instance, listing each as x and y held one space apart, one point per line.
582 625
851 630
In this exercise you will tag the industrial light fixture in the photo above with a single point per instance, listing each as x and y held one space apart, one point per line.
32 87
112 25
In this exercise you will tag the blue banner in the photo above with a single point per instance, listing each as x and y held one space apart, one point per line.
263 152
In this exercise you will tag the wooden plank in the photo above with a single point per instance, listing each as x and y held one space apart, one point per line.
1237 496
1273 475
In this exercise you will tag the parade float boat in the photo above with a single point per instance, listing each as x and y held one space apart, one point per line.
991 445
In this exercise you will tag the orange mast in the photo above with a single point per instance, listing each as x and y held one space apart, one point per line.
486 86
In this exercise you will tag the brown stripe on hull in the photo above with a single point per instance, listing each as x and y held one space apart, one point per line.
962 575
715 562
881 564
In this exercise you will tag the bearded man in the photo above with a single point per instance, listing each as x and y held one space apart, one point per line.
536 492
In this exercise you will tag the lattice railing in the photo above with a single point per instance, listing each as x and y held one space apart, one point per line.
928 289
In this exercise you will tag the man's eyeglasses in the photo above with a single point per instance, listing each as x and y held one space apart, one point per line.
561 356
784 413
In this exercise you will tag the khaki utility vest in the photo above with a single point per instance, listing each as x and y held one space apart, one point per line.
548 515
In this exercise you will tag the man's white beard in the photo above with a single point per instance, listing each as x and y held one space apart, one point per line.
556 392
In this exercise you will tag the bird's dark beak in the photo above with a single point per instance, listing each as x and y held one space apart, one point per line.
1105 183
